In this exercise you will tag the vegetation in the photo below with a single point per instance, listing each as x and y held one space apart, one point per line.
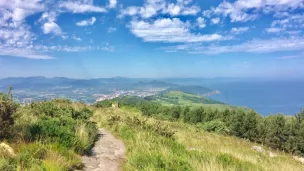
181 98
7 108
154 144
191 89
277 131
52 135
39 135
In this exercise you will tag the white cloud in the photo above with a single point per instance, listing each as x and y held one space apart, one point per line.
154 7
87 22
169 30
244 10
14 32
24 53
289 57
239 30
65 48
180 9
201 22
15 11
273 30
15 35
81 7
253 46
76 38
51 27
48 16
112 3
111 29
215 20
291 21
48 23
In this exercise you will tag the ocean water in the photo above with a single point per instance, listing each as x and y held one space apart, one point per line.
266 97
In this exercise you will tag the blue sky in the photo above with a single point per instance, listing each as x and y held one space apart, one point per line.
152 38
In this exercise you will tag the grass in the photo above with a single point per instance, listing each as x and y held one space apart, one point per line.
181 98
48 136
151 146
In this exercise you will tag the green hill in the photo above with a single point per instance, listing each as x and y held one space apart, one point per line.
53 135
154 144
191 89
181 98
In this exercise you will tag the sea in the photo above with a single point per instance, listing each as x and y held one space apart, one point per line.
264 96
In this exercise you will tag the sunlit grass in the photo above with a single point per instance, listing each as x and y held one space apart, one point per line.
189 149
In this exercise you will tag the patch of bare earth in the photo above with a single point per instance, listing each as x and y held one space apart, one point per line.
106 155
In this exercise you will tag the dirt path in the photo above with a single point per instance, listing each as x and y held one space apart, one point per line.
107 153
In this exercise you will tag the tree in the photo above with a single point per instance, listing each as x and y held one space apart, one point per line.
275 135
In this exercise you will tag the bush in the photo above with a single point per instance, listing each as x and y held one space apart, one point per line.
7 109
215 126
64 131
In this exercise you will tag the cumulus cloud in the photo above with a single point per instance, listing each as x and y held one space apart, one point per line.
49 25
15 35
154 7
201 22
239 30
112 3
169 30
290 21
215 20
17 38
253 46
244 10
87 22
83 6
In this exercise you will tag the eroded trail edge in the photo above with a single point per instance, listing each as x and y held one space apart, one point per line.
106 155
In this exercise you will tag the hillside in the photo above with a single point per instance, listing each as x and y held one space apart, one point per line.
181 98
199 90
154 144
53 135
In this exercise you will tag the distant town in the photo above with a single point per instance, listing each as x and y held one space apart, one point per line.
88 96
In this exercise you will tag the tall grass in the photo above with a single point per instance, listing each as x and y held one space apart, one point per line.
189 148
49 135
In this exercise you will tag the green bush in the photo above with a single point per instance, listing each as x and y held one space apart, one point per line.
64 131
7 164
7 109
215 126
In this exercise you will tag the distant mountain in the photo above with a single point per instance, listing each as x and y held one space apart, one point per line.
37 83
155 83
100 85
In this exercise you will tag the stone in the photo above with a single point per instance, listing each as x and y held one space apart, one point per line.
258 149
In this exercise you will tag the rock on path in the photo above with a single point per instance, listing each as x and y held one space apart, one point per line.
106 155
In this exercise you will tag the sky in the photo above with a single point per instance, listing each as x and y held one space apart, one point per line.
152 38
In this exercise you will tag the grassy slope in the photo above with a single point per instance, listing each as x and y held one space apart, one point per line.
181 98
38 155
189 149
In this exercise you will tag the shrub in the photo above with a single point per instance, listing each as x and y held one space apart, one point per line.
65 131
7 109
215 126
